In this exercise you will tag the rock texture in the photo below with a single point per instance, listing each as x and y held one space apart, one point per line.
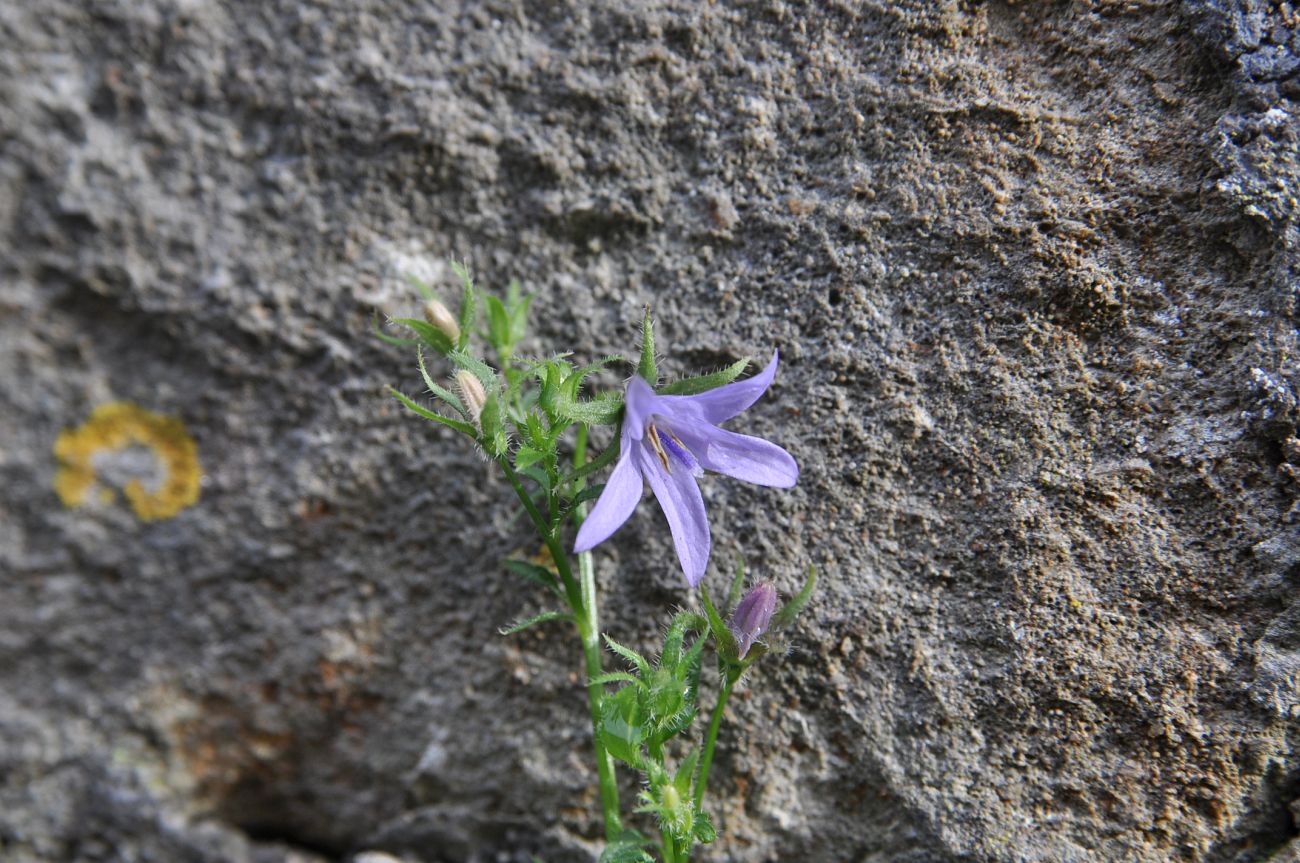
1032 268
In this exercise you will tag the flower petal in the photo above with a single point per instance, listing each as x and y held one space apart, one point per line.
640 404
683 505
741 456
615 504
719 405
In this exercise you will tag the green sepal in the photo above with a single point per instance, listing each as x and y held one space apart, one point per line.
520 626
486 375
704 383
495 440
463 428
647 367
468 307
532 572
386 338
432 336
728 650
630 655
787 613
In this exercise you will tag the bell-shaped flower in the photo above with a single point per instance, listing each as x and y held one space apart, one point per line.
668 442
752 616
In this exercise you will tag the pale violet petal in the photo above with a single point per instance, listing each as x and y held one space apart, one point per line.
751 459
719 405
640 404
683 505
615 504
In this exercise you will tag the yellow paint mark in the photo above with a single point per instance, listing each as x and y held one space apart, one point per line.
117 426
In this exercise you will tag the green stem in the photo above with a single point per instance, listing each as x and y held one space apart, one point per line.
582 601
706 757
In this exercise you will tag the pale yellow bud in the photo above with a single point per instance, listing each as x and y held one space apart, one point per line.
471 393
441 319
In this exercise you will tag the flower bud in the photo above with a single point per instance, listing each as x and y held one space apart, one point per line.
471 393
441 319
752 615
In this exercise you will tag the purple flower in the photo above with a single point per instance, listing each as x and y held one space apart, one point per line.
668 441
752 615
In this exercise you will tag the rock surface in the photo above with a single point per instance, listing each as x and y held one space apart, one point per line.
1032 268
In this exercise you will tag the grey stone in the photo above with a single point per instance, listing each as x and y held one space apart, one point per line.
1032 269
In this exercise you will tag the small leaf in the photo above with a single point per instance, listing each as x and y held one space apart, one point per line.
498 326
425 290
737 584
685 774
704 383
539 476
527 456
647 368
630 655
604 410
627 848
463 428
386 338
441 392
607 455
533 572
534 620
432 336
468 309
591 492
788 612
704 830
620 726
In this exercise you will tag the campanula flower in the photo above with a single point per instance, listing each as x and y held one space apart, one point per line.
752 616
668 442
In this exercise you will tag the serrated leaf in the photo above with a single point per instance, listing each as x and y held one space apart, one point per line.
463 428
630 655
620 726
704 383
432 336
386 338
533 572
647 367
615 677
604 410
788 612
534 620
485 374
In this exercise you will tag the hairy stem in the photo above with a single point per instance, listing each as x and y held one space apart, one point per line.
706 757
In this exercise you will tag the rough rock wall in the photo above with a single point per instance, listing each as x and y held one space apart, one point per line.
1032 268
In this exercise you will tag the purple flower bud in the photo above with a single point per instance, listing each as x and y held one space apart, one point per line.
752 615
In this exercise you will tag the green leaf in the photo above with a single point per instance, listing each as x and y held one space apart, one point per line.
647 368
533 572
527 456
432 336
629 847
468 309
441 392
498 326
704 831
788 612
727 647
620 726
493 425
534 620
517 306
386 338
591 492
604 410
463 428
607 455
704 383
685 774
630 655
539 476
